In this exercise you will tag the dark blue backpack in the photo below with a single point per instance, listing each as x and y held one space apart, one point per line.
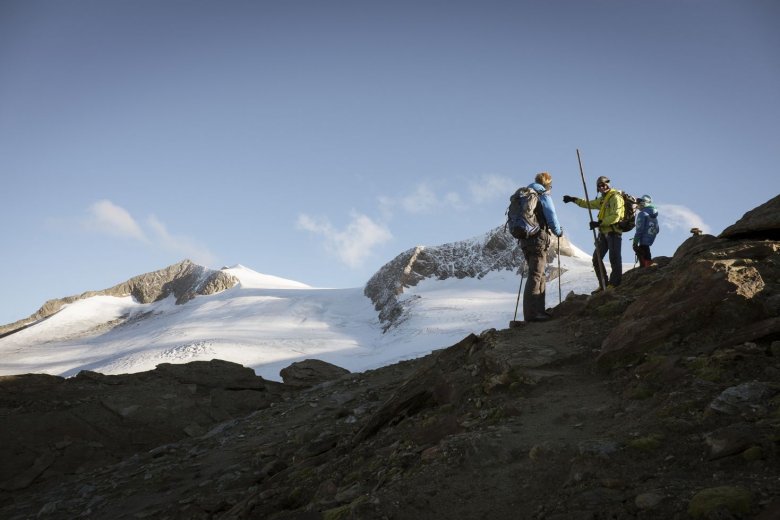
521 215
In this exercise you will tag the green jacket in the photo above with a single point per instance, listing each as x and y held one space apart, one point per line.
611 210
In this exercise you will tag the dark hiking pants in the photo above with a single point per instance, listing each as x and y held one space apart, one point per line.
535 252
643 254
610 243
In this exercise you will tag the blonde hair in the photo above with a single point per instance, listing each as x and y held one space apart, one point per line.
545 179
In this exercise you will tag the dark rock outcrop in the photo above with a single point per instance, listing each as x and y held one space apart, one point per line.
730 284
184 280
762 222
310 372
62 426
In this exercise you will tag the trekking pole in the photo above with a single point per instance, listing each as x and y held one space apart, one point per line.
517 304
559 271
599 264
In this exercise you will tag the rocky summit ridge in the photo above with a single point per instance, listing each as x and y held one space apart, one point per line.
183 280
659 399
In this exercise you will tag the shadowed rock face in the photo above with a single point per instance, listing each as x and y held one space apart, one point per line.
184 280
70 425
729 286
715 291
310 372
496 250
759 223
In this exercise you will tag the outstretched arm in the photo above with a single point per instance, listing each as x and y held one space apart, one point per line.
594 203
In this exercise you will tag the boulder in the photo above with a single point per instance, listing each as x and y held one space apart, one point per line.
214 374
734 499
731 440
745 398
310 372
762 222
727 285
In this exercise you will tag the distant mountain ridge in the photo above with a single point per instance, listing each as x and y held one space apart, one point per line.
495 250
184 280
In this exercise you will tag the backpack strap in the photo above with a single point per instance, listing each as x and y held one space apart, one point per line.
539 211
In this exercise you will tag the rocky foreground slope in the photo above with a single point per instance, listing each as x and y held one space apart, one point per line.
658 399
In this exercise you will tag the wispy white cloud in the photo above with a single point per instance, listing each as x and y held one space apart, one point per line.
674 216
386 207
452 199
354 243
181 245
106 217
423 199
490 187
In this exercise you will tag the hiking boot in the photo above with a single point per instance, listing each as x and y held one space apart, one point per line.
599 289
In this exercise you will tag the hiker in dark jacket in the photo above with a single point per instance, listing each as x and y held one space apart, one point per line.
646 230
611 208
535 250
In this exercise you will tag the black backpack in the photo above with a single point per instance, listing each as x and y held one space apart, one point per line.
522 219
630 204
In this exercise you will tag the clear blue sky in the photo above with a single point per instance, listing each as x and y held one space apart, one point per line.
316 140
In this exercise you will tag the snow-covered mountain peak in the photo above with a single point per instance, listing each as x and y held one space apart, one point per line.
184 280
251 279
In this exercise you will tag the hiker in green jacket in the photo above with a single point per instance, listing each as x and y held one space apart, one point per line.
611 207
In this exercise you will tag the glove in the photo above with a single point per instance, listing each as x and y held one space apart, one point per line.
594 225
568 198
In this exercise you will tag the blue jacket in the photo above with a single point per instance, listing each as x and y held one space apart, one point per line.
548 208
646 226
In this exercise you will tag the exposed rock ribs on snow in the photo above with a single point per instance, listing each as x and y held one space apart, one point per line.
184 280
496 250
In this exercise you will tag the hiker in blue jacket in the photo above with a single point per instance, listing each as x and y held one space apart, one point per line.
535 250
646 230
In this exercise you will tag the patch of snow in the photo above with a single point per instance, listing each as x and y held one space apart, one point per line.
253 280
